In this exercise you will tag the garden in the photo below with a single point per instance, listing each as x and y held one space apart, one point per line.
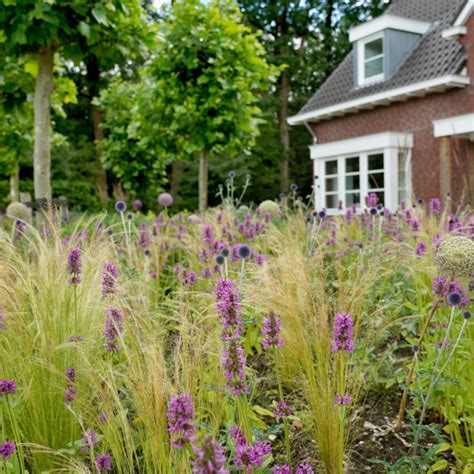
273 339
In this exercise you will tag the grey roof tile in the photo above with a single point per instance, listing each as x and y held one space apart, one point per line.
433 57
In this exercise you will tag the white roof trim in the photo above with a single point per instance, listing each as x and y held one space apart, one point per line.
465 14
454 32
365 143
418 89
388 21
458 125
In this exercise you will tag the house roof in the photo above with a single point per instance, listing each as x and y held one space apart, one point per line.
433 58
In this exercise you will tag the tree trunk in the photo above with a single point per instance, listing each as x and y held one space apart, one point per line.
93 77
203 173
284 131
42 104
15 186
176 170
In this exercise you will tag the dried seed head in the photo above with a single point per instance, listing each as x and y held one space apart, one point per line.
455 256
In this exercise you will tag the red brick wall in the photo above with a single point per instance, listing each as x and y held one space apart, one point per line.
416 116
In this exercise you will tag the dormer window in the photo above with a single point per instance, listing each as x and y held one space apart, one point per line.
371 59
381 45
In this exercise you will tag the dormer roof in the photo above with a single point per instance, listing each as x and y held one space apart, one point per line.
435 64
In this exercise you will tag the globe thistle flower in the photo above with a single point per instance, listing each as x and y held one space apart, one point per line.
343 333
228 308
113 329
147 253
454 299
271 331
70 394
181 420
372 200
89 441
304 468
234 362
455 256
293 186
322 214
209 457
285 469
120 207
442 287
220 260
435 207
103 462
373 211
7 387
19 230
137 204
244 252
281 409
165 200
225 252
109 279
74 266
7 448
420 249
342 399
231 174
466 315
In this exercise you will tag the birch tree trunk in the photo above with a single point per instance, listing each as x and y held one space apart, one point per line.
284 132
42 104
203 174
15 186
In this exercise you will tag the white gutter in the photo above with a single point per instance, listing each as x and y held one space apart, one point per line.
419 89
465 14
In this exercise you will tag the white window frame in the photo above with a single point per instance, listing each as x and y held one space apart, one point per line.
390 144
361 60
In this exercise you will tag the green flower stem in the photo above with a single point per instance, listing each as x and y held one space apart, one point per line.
434 380
127 239
243 418
280 393
16 434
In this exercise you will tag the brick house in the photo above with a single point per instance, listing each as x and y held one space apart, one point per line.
397 116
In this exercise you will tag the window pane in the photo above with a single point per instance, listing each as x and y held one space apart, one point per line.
374 67
331 184
374 48
376 162
381 196
331 167
332 201
352 165
402 170
352 198
352 182
376 180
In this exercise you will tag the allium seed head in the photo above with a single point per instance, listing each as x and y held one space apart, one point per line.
455 256
165 199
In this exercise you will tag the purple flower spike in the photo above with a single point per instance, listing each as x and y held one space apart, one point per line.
343 333
420 249
7 448
109 279
234 361
89 441
285 469
103 462
181 420
372 200
282 409
113 329
228 308
435 207
271 331
70 394
71 374
74 266
248 456
209 457
304 468
7 387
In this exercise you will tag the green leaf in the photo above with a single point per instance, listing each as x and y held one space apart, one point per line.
262 411
100 14
31 67
84 29
443 447
439 465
